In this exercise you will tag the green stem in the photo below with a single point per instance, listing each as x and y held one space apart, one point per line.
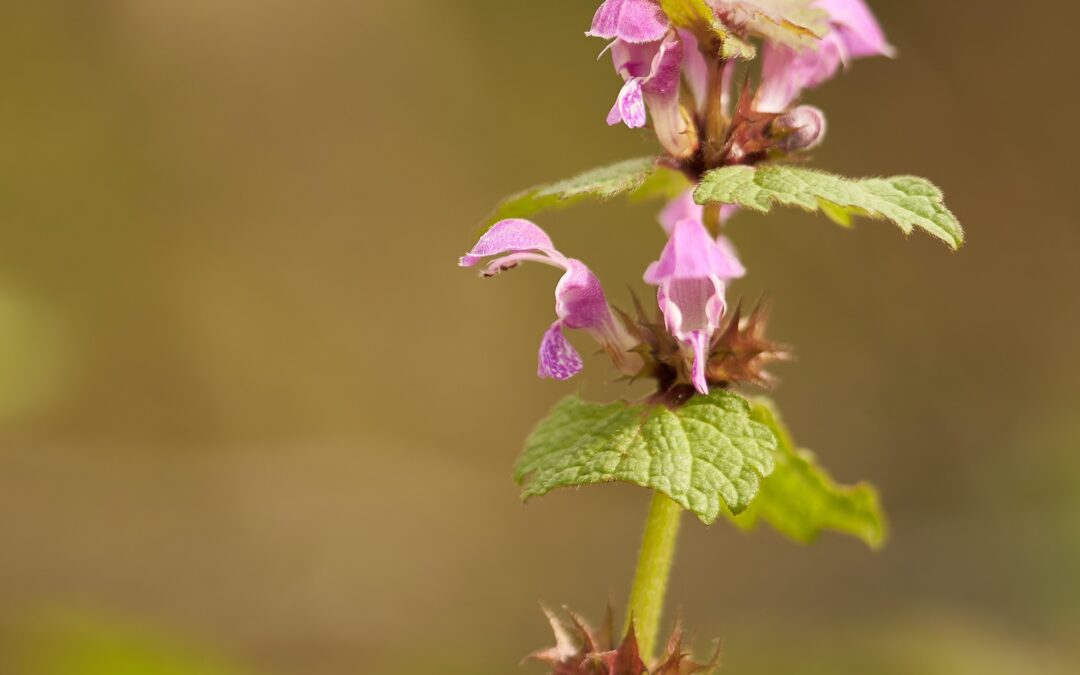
653 571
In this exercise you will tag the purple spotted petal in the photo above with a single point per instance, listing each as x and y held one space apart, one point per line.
508 236
630 106
860 31
630 20
558 359
654 72
579 299
661 91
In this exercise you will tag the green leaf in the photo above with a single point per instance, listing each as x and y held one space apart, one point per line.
688 13
908 201
709 456
796 23
732 47
801 500
638 178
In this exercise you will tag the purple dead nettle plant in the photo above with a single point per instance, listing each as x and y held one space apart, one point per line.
733 137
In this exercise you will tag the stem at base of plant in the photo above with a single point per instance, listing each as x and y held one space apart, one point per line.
653 571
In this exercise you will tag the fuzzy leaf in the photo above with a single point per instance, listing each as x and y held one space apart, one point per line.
800 499
708 456
638 178
688 13
796 23
700 18
908 201
732 47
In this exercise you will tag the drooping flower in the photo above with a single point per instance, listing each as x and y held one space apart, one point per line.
786 73
634 21
580 302
692 275
653 74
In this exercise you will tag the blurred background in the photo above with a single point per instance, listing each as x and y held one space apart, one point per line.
253 419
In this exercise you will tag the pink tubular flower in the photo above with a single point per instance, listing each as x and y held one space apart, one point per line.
634 21
786 73
692 275
652 57
579 299
653 74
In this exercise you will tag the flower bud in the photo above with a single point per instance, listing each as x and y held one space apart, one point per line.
801 128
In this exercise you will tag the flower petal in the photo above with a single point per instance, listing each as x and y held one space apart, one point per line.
854 33
558 359
785 73
726 251
653 73
692 254
700 304
509 236
579 299
861 33
630 20
682 207
802 128
695 69
661 89
629 107
692 311
699 343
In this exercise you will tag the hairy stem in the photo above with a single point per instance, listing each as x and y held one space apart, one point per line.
653 571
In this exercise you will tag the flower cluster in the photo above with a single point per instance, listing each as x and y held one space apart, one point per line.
676 77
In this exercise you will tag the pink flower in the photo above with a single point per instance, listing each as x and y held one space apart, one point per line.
653 75
634 21
579 299
692 275
786 73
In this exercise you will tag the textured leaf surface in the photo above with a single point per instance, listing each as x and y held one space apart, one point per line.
800 499
697 16
637 178
688 13
708 456
908 201
796 23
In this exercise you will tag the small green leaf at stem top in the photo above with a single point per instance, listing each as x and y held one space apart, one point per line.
708 455
908 201
637 178
801 500
795 23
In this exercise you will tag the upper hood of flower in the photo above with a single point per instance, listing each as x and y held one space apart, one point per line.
854 22
635 21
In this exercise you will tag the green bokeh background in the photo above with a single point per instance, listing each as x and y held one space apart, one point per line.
250 408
